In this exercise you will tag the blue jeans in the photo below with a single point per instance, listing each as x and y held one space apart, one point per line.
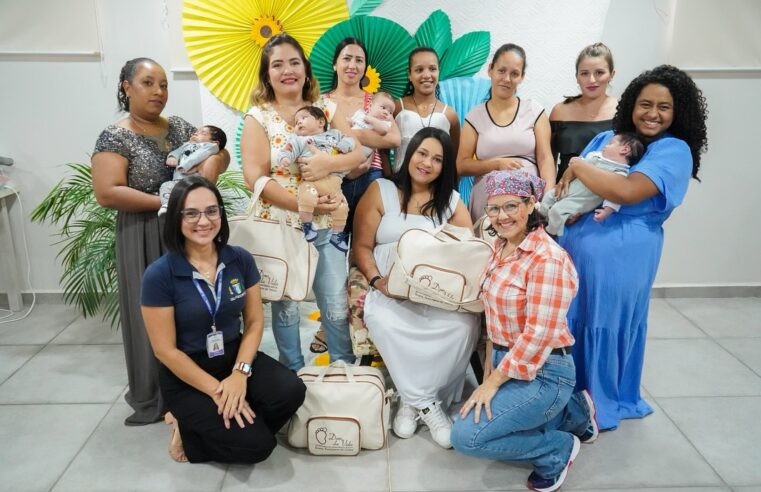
353 189
532 421
330 291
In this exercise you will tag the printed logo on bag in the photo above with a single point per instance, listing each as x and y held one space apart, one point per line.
330 441
428 282
273 273
235 289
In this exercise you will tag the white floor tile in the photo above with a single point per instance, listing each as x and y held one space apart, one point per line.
748 350
666 322
89 331
14 356
42 325
723 318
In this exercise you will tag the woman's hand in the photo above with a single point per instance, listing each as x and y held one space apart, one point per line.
315 167
508 164
230 397
561 190
382 286
326 204
361 169
481 398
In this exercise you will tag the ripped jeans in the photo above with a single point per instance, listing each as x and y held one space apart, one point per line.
332 300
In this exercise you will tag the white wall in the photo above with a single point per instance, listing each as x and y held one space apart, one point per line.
52 113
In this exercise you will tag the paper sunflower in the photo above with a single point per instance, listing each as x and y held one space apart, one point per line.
224 38
388 46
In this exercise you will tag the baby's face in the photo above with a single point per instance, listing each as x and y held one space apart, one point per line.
201 135
382 108
307 124
616 150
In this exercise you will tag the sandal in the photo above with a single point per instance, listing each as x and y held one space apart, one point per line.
319 345
176 451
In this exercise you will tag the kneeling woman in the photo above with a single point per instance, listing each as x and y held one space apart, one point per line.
525 410
426 349
226 400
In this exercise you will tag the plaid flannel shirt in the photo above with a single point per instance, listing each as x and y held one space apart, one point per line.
526 297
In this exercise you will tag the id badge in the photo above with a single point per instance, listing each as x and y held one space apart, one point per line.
215 344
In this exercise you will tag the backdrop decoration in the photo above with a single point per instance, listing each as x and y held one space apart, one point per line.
224 38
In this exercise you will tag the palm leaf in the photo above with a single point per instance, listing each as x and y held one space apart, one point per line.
363 7
466 56
435 32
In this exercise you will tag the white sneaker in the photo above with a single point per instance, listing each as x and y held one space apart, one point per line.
439 424
405 421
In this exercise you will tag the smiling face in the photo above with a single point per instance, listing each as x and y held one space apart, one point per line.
511 226
148 90
350 65
506 74
286 71
203 232
308 124
426 162
423 72
653 111
593 76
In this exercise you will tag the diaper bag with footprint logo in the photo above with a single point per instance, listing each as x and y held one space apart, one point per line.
346 409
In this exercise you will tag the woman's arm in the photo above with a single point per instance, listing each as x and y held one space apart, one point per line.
320 164
159 323
215 165
454 127
367 218
544 161
109 181
461 216
610 186
468 166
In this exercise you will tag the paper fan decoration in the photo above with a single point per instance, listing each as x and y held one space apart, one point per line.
224 38
463 93
388 46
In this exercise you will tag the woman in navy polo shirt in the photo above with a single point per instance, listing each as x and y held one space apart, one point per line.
226 400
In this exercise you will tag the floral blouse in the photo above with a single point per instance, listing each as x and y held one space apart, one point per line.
278 131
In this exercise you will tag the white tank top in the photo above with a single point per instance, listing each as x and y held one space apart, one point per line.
410 122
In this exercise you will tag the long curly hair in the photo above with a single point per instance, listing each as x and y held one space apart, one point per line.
690 111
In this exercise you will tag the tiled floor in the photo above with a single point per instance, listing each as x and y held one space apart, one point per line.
61 420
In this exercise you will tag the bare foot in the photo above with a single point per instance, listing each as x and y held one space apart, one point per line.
176 450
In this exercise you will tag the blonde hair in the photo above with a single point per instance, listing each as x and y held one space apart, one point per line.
263 93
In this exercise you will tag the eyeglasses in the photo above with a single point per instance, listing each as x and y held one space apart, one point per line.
192 215
508 207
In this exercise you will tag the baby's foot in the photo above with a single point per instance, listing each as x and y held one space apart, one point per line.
309 233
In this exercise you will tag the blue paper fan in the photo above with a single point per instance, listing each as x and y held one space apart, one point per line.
238 134
463 93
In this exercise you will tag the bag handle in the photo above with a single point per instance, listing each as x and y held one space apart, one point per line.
334 365
259 185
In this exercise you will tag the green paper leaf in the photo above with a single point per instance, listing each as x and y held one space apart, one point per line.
435 32
466 56
363 7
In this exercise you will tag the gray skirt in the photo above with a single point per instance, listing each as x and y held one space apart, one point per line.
138 244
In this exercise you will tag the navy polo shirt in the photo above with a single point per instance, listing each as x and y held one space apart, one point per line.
168 281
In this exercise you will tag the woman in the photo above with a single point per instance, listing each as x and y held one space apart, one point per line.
525 410
420 107
286 84
618 258
425 349
346 97
578 119
506 132
211 371
128 166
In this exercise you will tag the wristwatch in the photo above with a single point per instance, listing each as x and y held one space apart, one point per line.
373 280
243 367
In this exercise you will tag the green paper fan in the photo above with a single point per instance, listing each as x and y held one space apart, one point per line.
435 32
466 56
388 45
363 7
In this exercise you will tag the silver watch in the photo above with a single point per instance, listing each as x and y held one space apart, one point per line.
244 367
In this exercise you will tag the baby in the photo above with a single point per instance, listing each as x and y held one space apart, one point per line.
377 118
204 143
622 151
312 128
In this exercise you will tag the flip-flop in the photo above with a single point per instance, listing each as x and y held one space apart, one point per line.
176 452
319 345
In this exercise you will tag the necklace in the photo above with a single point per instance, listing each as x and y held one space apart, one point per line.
430 116
159 139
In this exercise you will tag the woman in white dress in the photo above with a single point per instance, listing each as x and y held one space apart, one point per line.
420 106
425 349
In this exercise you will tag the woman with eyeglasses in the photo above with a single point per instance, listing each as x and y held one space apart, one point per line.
202 308
526 409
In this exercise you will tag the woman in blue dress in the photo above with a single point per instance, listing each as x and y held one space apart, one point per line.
617 259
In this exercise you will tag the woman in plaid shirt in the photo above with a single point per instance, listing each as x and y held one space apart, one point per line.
526 410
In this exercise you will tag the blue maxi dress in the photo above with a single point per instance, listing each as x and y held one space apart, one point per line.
617 261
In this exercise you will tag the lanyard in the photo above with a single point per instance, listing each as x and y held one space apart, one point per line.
218 300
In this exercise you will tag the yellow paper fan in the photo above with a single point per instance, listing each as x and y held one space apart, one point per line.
224 38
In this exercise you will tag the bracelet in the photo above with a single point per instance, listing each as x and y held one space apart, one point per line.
375 279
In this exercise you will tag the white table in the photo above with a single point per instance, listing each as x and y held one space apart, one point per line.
8 265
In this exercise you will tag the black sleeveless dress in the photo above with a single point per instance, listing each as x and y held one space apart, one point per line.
570 137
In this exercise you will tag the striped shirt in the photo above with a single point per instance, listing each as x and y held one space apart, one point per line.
526 297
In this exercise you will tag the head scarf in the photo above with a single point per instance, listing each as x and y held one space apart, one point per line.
518 183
